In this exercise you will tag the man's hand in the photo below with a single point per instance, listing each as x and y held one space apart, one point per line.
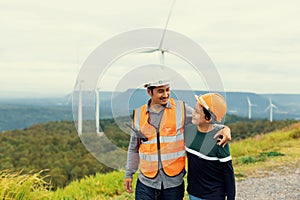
128 185
224 136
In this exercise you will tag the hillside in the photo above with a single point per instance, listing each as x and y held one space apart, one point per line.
57 148
54 147
259 156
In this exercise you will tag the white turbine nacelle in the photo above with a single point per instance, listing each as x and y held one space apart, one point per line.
160 51
249 107
270 107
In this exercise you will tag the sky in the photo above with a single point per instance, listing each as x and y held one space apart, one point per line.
255 45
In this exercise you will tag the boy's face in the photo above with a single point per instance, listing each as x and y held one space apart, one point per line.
160 95
198 116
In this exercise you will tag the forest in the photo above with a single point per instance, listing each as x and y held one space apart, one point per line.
56 148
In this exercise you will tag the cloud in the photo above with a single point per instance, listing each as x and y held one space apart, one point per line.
244 38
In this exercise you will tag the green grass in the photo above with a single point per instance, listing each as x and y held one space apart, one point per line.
277 151
100 186
23 186
269 152
261 157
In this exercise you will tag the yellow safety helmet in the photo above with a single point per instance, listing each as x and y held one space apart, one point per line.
214 103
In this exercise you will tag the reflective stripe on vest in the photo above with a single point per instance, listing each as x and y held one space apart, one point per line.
172 150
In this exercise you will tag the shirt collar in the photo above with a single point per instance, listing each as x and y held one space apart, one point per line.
167 106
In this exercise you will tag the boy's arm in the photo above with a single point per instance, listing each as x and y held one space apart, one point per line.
228 172
229 180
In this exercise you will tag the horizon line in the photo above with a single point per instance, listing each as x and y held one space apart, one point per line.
37 95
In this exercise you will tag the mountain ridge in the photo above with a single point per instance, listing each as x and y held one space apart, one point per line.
21 113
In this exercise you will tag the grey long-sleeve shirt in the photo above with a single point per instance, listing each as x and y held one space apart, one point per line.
133 155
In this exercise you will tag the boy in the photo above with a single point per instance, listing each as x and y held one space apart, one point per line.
210 171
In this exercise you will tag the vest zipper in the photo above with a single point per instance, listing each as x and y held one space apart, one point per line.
158 151
158 143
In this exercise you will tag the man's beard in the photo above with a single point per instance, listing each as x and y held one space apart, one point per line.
164 98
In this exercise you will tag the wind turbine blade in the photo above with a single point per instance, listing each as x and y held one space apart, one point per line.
271 104
163 36
149 51
249 102
166 25
267 108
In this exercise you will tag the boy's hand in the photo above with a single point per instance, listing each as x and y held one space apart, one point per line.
224 136
128 185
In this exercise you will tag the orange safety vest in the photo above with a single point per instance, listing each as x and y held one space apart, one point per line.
171 140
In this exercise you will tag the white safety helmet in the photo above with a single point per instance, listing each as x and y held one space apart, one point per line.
157 83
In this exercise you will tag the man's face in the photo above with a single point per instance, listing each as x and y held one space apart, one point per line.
160 95
198 115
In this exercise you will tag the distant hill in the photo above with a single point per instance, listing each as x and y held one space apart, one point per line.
21 113
19 116
288 106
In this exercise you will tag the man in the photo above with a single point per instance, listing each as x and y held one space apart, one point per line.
157 145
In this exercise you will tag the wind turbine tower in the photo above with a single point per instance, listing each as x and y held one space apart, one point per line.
99 133
270 107
249 107
79 117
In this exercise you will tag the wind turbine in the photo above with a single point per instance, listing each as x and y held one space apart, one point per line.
270 107
97 109
249 107
79 106
160 47
79 116
99 133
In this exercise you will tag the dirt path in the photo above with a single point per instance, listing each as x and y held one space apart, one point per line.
277 186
